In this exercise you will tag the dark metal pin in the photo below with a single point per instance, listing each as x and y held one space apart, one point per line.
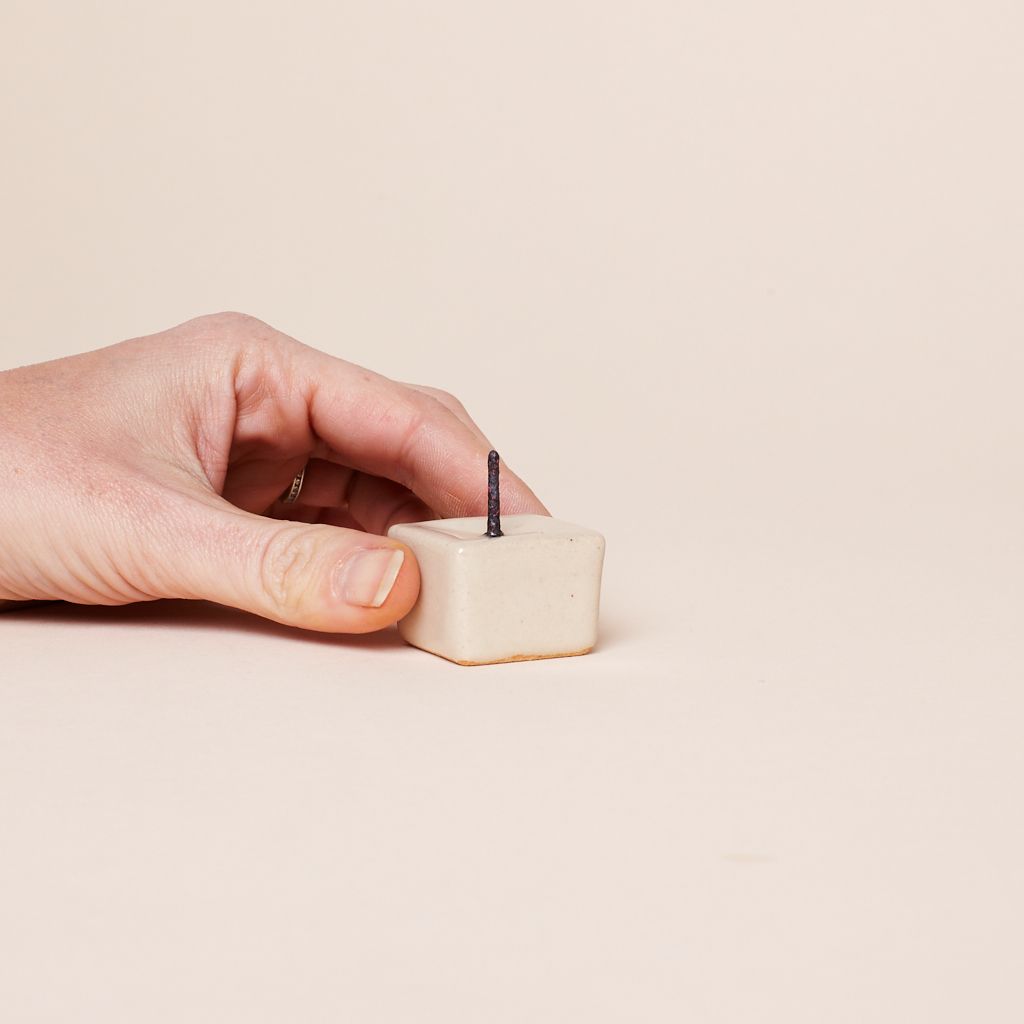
493 497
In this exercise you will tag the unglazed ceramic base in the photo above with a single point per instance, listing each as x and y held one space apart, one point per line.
530 594
518 657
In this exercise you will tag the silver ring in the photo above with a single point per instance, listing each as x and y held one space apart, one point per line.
292 494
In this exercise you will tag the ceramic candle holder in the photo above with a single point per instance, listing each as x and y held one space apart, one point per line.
530 593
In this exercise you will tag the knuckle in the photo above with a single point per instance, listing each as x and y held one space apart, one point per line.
454 404
227 321
227 329
414 432
446 398
288 567
231 341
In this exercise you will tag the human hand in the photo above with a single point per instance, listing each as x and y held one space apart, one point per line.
153 469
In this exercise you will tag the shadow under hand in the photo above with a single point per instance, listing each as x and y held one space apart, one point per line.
189 615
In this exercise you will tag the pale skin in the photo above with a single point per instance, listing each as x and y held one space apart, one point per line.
154 469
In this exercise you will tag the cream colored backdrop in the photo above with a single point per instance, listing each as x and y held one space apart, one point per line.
737 283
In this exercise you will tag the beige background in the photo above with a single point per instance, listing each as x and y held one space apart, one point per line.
753 272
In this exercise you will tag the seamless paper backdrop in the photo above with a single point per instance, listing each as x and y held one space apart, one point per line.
752 272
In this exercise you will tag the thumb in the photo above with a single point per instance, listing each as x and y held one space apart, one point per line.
317 577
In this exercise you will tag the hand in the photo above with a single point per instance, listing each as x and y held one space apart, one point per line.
153 469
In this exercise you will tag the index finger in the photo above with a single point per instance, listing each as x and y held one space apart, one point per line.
379 426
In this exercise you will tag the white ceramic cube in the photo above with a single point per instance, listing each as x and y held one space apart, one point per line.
532 593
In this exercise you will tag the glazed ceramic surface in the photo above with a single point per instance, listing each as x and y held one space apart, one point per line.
532 593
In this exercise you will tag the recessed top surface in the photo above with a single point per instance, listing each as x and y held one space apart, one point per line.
475 528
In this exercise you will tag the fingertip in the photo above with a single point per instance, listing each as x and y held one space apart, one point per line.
405 589
374 587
